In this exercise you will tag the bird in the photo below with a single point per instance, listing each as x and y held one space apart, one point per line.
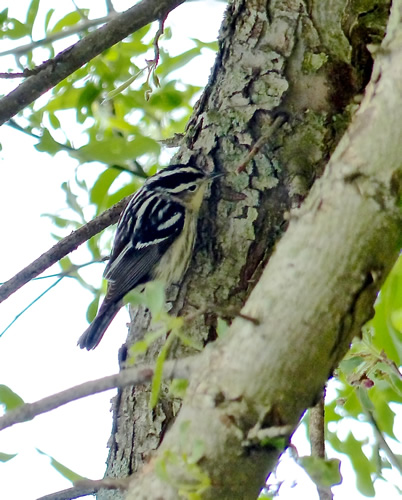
154 240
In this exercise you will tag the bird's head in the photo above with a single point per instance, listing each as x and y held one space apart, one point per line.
183 183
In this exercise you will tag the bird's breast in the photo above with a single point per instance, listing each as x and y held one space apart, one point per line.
175 261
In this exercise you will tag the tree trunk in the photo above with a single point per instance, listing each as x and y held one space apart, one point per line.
304 63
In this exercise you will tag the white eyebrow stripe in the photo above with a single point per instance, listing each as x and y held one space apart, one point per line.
170 222
181 170
182 187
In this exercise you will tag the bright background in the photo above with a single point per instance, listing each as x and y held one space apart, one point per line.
38 354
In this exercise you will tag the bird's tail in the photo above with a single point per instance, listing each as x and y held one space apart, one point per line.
94 333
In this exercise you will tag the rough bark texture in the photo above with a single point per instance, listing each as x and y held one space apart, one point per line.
306 62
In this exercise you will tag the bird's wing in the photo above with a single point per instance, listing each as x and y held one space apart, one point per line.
145 231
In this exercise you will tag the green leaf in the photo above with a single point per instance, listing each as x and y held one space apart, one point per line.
65 263
115 92
64 97
47 144
173 63
31 15
206 45
61 222
126 190
93 308
155 297
197 452
158 372
102 185
3 16
364 398
324 473
93 245
117 150
54 121
5 457
279 443
135 298
15 29
139 347
71 19
221 328
71 200
349 365
62 469
178 387
386 335
384 415
331 415
9 398
49 15
361 464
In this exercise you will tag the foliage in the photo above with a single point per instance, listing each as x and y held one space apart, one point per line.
194 481
368 381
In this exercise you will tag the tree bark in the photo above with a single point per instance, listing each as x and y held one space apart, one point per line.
305 63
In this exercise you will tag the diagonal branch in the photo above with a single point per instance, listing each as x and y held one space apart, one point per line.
62 248
131 376
70 493
85 487
55 70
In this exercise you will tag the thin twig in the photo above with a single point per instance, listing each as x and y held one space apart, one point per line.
108 483
278 122
81 26
84 487
317 440
13 124
62 248
9 76
64 274
110 6
132 376
69 494
394 460
158 34
30 304
80 11
220 311
317 429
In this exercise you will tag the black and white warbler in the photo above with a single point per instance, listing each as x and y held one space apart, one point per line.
154 240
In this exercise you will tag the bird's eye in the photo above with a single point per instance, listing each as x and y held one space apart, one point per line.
192 188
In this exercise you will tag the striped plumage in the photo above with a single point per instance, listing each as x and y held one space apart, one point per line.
154 240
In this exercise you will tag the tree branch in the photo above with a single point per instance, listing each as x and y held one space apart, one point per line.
394 459
132 376
55 70
317 440
110 6
85 487
70 493
62 248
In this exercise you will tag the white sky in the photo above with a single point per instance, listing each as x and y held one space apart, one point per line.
38 355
